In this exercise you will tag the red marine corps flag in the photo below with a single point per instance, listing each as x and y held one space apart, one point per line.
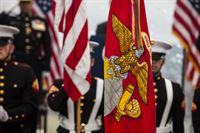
129 104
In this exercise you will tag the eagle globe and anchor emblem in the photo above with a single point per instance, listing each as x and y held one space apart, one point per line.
117 68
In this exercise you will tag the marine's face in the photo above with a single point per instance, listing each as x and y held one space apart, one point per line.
26 7
157 65
6 51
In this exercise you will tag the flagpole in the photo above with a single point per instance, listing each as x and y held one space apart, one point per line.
183 69
78 116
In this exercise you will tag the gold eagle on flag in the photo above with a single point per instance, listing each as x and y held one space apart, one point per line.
118 68
129 59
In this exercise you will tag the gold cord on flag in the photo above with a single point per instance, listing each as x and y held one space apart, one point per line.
136 28
133 23
139 35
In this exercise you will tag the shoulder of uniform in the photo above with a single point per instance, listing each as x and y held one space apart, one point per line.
59 83
196 96
19 64
14 20
197 91
175 84
38 24
176 87
177 90
38 18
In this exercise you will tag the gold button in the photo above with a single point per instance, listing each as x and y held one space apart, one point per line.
10 118
156 96
15 85
27 51
94 100
2 77
82 97
156 104
27 40
155 90
1 91
16 63
53 95
81 111
1 99
82 104
22 115
82 127
28 30
28 47
27 24
22 125
158 78
62 85
39 35
1 69
5 64
1 84
154 83
16 116
26 18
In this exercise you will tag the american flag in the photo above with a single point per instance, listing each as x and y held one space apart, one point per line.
186 27
43 8
72 21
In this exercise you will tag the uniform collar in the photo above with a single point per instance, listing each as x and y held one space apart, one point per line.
157 77
4 63
24 14
9 62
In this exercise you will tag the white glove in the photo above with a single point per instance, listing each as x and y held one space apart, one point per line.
3 114
45 73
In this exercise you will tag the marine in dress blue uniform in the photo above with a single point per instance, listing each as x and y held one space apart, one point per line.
91 104
33 47
18 88
100 37
196 111
33 43
168 95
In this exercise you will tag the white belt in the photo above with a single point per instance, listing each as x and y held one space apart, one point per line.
166 129
169 90
65 123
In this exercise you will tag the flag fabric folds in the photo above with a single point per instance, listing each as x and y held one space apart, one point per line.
43 8
71 19
186 27
129 102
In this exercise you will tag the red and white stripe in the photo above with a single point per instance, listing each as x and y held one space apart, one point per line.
186 27
192 75
55 62
75 52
